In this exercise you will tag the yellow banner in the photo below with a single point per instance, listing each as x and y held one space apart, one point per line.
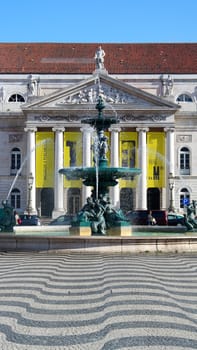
73 151
156 159
128 155
44 159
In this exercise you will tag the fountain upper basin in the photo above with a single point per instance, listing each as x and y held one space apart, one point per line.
105 174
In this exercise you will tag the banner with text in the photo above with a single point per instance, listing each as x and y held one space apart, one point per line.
156 159
44 159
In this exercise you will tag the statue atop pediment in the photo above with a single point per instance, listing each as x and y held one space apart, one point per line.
99 58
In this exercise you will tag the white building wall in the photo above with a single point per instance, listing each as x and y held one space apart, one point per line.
12 84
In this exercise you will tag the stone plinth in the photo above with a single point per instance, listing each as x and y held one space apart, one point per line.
81 230
121 230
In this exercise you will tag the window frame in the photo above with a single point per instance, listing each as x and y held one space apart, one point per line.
15 198
184 194
184 98
15 160
16 98
184 161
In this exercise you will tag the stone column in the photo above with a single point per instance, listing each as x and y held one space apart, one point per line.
86 140
141 192
31 166
59 178
115 191
170 163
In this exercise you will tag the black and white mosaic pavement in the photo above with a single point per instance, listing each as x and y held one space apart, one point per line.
73 301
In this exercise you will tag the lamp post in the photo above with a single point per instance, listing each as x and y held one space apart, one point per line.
30 186
171 188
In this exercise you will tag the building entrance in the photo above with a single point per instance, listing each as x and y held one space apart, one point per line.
47 202
74 200
126 199
153 199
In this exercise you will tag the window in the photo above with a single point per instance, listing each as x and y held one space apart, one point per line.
15 160
16 98
15 199
184 197
184 161
184 98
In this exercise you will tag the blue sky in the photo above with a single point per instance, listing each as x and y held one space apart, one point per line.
98 21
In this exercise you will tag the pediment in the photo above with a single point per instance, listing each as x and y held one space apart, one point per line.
116 94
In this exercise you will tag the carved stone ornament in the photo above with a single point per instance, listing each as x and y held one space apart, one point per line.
184 138
153 118
15 138
44 118
68 118
109 94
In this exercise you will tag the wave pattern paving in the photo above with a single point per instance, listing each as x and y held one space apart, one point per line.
75 301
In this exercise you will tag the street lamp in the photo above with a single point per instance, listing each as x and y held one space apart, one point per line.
171 187
30 186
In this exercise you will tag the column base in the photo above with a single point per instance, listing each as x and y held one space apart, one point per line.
30 212
57 212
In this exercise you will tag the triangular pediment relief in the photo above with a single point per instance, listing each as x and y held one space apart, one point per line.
114 92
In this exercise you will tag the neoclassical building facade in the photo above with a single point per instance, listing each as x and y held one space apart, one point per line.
47 89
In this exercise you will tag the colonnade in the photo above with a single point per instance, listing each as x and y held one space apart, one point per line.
141 190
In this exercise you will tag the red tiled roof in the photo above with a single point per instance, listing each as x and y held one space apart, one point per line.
74 58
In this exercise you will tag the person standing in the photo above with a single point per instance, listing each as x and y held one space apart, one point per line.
150 218
17 218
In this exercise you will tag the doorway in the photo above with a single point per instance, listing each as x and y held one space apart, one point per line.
153 199
74 202
47 201
126 199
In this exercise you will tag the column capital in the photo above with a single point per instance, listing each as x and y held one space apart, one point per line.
142 129
30 129
114 129
169 129
86 129
58 129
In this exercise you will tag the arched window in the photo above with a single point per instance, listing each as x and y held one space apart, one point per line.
15 160
184 197
15 199
16 98
184 98
184 161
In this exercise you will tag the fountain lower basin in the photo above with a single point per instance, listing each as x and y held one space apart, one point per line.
159 242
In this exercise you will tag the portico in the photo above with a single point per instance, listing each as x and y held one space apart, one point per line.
141 116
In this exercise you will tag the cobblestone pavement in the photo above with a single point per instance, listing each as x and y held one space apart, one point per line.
67 300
